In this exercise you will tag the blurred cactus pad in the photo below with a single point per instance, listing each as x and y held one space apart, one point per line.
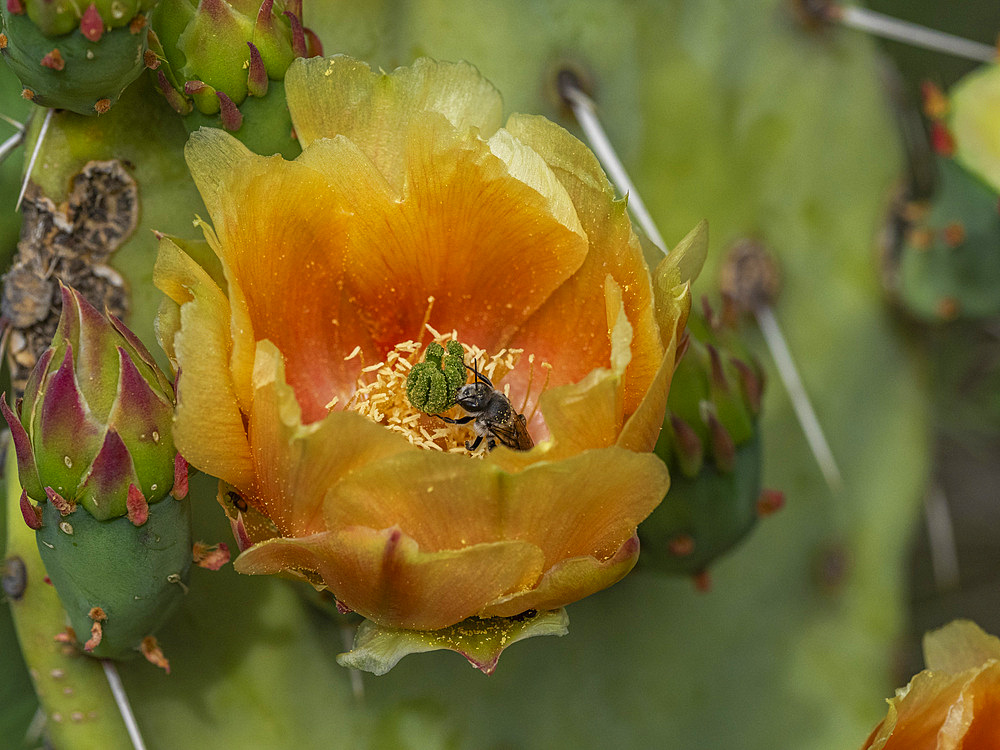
725 110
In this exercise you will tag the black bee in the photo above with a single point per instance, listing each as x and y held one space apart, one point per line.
495 419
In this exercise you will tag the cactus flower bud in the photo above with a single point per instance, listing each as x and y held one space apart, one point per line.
711 445
223 64
95 418
95 449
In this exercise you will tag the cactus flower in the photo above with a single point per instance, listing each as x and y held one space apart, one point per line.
94 448
951 704
414 213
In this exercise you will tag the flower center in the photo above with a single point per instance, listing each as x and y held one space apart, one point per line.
381 394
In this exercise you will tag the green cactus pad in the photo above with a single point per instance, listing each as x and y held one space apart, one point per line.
949 266
93 74
83 557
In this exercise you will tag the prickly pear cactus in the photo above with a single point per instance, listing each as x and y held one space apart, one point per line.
72 58
724 110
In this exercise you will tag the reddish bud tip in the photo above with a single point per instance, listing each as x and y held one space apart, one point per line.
702 581
180 488
136 506
723 447
194 87
53 60
174 97
150 648
64 506
934 101
718 374
102 105
770 502
14 7
690 451
314 46
232 118
210 557
294 7
954 234
240 532
681 545
947 308
941 139
91 23
257 76
298 35
31 512
753 386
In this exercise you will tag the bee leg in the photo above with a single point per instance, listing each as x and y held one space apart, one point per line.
475 444
460 420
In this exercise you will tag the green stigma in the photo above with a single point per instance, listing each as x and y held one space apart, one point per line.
432 384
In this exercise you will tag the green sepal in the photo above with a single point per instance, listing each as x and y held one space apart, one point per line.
93 71
136 574
378 649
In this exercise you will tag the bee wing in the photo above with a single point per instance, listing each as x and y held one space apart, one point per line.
513 433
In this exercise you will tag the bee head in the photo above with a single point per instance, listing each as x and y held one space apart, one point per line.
473 397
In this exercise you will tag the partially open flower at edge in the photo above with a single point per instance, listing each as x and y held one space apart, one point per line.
954 703
411 205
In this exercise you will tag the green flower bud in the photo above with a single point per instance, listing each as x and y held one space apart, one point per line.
710 443
94 426
94 448
223 64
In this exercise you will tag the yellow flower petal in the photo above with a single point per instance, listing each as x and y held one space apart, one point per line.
569 581
383 574
341 96
208 425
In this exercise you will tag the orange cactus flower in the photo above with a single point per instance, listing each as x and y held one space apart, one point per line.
413 210
954 703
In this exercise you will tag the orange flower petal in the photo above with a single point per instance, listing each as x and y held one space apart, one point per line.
485 245
297 465
341 96
384 576
570 581
208 425
561 508
293 294
567 331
